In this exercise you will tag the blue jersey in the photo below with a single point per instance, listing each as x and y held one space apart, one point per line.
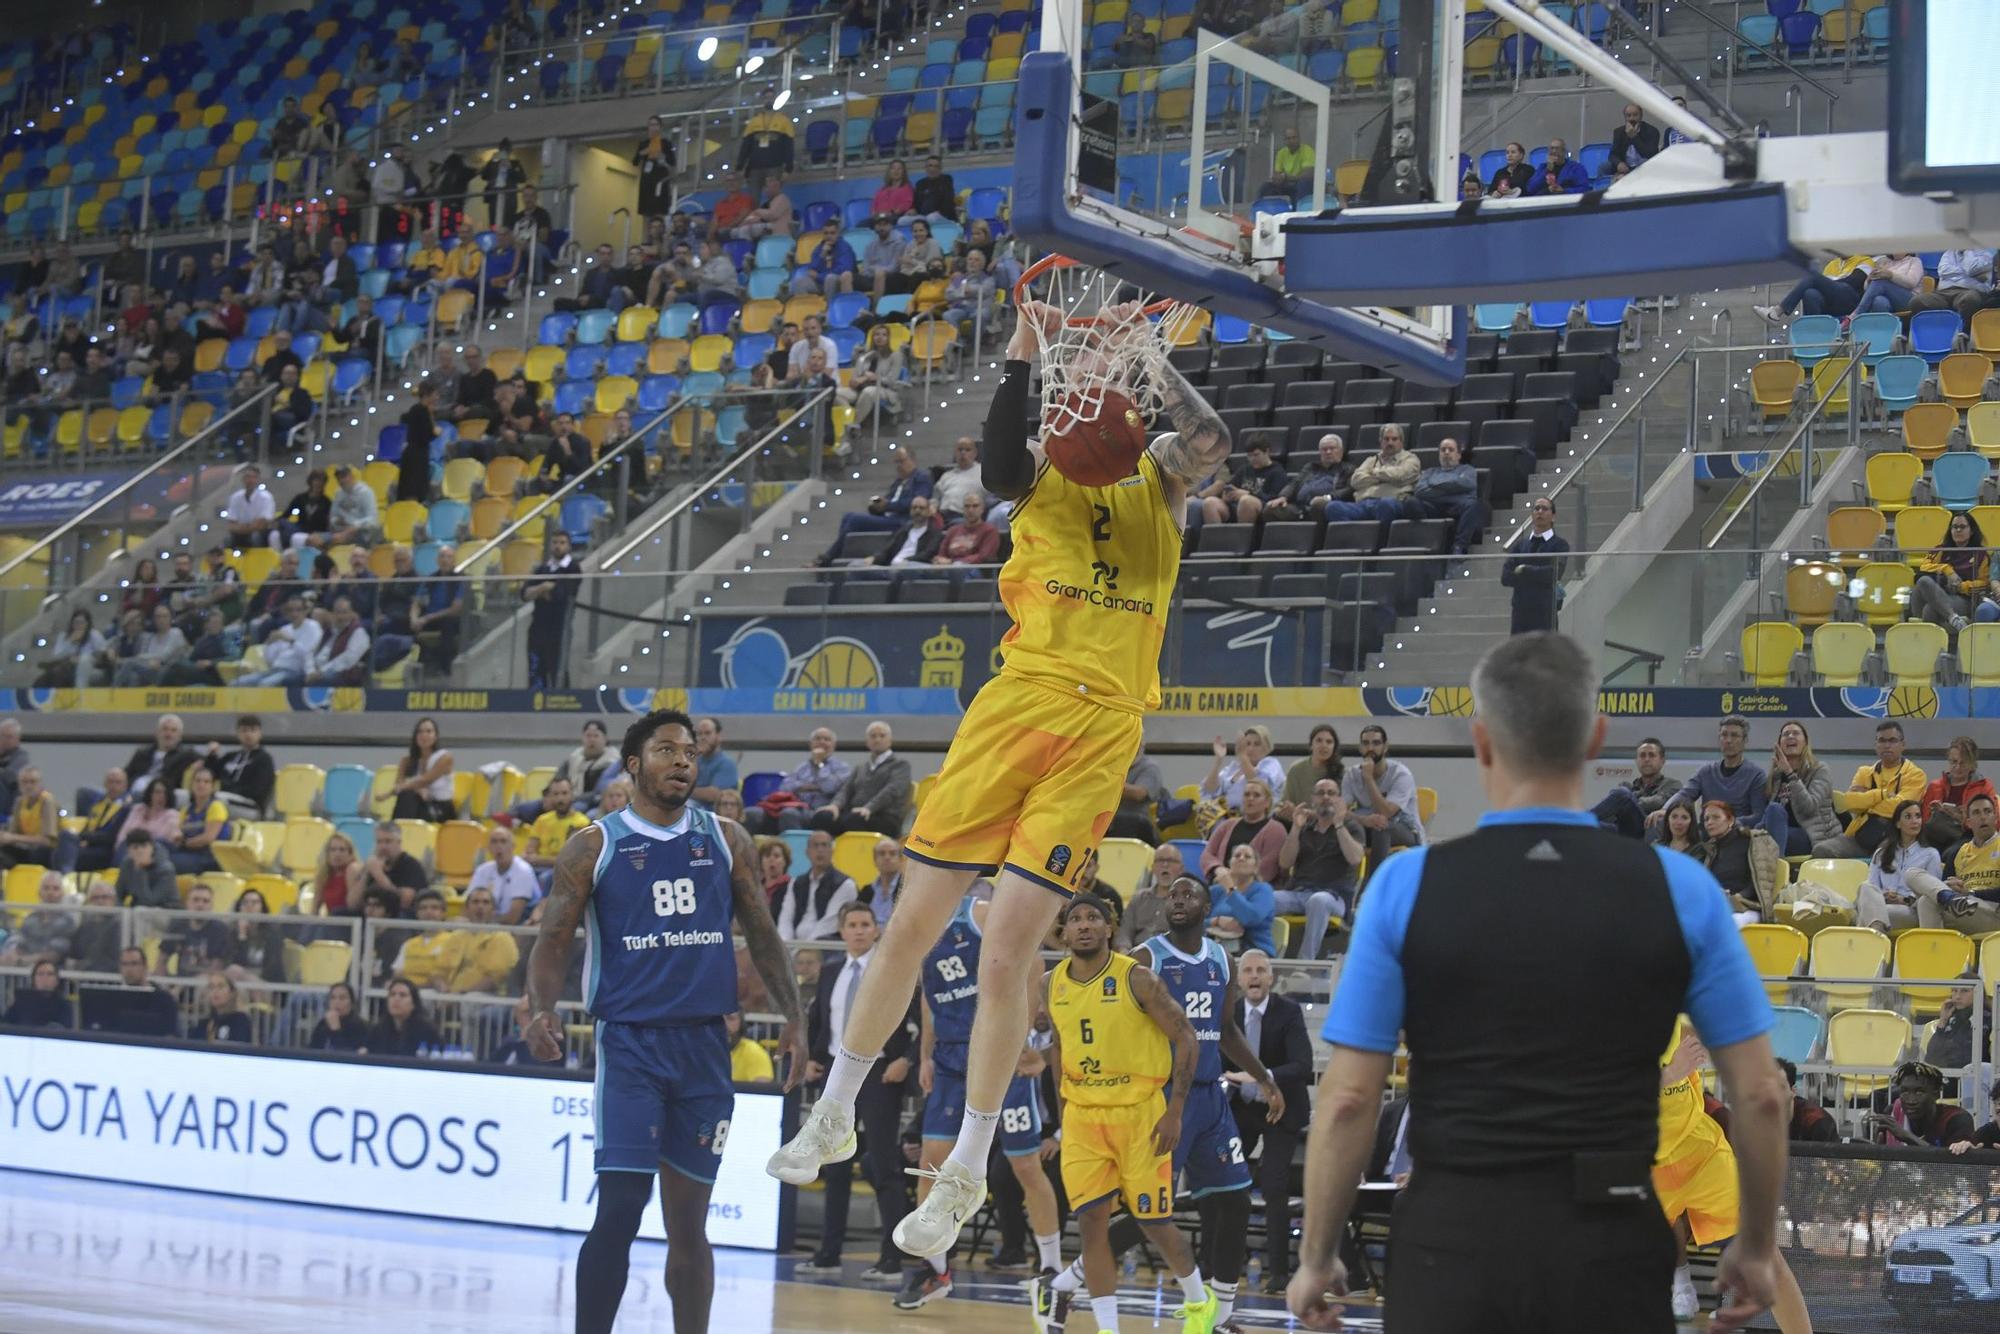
951 989
661 909
1200 982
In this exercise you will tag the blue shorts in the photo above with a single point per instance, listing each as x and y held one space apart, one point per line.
1210 1151
1020 1119
663 1095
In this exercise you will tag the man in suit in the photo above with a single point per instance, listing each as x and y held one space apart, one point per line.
877 1108
1275 1027
1534 569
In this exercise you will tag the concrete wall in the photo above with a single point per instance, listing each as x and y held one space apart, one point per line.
604 183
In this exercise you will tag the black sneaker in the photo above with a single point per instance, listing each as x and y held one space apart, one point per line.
1274 1285
1051 1307
1017 1260
921 1286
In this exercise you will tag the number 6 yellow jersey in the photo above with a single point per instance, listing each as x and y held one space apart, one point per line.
1113 1054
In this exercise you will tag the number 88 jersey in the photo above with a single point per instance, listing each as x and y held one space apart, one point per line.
658 931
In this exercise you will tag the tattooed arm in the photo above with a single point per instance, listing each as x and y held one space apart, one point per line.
767 952
548 962
1166 1012
1199 443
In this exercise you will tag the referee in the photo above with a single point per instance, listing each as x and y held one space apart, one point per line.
1535 968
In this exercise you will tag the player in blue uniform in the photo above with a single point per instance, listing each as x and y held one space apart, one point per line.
658 887
950 987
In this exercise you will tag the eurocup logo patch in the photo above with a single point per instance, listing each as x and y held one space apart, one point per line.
697 846
1145 1201
1110 988
1058 861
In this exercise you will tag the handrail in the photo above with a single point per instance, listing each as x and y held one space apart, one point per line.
1799 438
1636 657
634 540
1736 38
263 398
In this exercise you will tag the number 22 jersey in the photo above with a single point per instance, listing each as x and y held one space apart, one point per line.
658 930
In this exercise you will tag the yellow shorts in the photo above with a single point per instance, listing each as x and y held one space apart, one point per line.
1701 1185
1031 783
1107 1152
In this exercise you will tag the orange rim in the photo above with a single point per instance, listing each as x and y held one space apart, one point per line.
1050 263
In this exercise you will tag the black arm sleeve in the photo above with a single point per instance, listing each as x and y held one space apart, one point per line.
1006 468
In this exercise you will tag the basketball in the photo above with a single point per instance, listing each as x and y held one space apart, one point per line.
1101 451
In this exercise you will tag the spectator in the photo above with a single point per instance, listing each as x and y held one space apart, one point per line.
1803 787
1382 794
923 258
1320 855
482 960
424 787
973 542
1633 141
13 759
1964 284
1917 1118
1292 169
306 519
363 331
876 796
569 456
810 907
1534 570
1896 278
882 260
413 468
657 160
1392 473
766 145
342 658
895 197
250 513
1242 498
338 1029
99 836
291 407
970 294
813 338
772 217
207 820
388 868
880 893
40 1004
935 195
1137 48
1144 789
1451 491
354 517
1736 782
734 205
749 1063
514 1050
874 387
403 1029
427 955
71 659
917 542
716 274
213 646
1242 908
1952 579
589 764
142 1008
1145 912
1328 477
1949 1045
1628 808
146 874
1255 828
1227 774
94 947
197 942
339 880
45 931
155 816
1274 1028
1511 177
1743 860
1871 800
553 594
1945 799
1560 175
1810 1124
289 650
1969 900
1678 832
1322 760
715 769
502 175
160 647
225 1020
553 827
437 610
815 782
30 836
960 480
533 228
508 878
774 860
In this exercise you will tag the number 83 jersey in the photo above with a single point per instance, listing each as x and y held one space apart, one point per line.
658 930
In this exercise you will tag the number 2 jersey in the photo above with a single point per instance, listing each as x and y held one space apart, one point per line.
658 930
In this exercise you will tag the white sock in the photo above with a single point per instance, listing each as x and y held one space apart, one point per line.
1106 1311
1225 1300
1049 1249
975 1140
843 1082
941 1262
1071 1278
1192 1288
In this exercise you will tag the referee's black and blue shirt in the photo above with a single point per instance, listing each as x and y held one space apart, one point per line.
1534 968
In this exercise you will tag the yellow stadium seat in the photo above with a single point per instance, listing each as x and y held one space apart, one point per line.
1349 177
1364 66
1768 648
1828 385
1852 532
1911 650
1985 332
932 343
132 427
1891 478
1777 952
1930 952
635 323
1962 378
1989 957
459 476
379 476
489 515
1124 864
920 130
1982 423
69 430
1842 875
519 558
1810 590
304 836
503 475
1920 529
1868 1038
802 253
298 789
402 519
472 428
504 361
1849 952
667 356
1927 429
23 884
320 963
615 391
798 307
1882 591
1482 57
533 514
1840 652
759 316
1979 653
459 843
543 362
1774 386
453 307
709 352
195 416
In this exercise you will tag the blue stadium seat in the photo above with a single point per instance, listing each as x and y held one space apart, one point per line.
585 361
575 397
1934 333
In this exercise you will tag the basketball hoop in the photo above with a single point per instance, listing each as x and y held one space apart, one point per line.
1111 339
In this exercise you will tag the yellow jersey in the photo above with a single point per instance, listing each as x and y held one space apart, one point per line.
550 831
1977 867
1686 1128
1089 584
1113 1054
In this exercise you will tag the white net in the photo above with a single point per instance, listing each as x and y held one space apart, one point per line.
1106 338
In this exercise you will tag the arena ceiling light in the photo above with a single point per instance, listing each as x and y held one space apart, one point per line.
706 51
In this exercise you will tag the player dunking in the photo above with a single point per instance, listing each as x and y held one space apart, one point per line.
663 884
1036 770
1119 1037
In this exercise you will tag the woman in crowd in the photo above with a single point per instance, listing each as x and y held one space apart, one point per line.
402 1030
423 789
1884 901
1678 829
1896 278
1946 798
896 197
207 820
874 385
40 1004
1227 774
338 1029
156 814
1254 829
1953 577
1513 175
617 796
729 805
225 1020
774 861
655 160
338 879
1321 761
1743 861
257 951
160 647
919 255
1801 784
73 657
308 516
142 590
1243 905
587 765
